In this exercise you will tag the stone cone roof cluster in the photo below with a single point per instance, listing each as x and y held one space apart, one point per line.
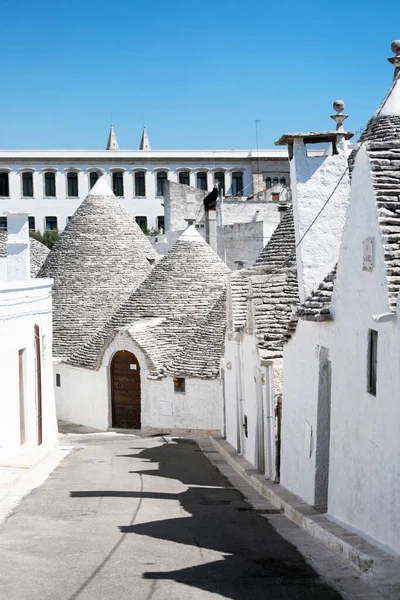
172 309
272 284
98 260
38 252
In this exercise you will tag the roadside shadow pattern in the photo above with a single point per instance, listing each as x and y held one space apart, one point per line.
257 562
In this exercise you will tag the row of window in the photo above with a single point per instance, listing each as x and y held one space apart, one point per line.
51 223
269 181
117 179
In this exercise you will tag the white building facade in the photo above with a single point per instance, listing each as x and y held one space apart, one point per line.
27 408
51 184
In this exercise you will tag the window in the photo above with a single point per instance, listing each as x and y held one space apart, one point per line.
68 219
372 361
179 384
202 180
161 178
27 185
51 223
93 177
3 223
282 181
275 181
72 185
184 177
237 183
58 380
160 224
142 222
268 183
118 183
140 183
275 197
219 180
50 185
31 222
4 185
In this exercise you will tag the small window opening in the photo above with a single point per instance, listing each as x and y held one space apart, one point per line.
237 183
118 183
372 361
58 380
72 185
161 178
4 185
27 185
140 184
93 177
31 221
50 223
160 224
142 222
275 197
50 185
219 180
268 183
184 178
3 223
179 384
202 180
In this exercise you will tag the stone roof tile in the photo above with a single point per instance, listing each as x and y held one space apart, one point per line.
98 260
167 310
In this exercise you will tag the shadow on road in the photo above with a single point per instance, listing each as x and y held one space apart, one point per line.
257 562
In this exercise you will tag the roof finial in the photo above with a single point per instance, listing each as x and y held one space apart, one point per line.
112 143
395 60
144 142
339 105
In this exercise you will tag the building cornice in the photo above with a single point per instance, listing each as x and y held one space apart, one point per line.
139 155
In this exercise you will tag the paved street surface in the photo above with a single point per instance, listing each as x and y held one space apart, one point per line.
146 519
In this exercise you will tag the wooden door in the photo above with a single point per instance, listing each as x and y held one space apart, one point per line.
125 391
22 423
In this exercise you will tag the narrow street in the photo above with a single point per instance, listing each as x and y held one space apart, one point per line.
146 519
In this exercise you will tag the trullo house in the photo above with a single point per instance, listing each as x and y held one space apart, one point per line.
341 410
155 363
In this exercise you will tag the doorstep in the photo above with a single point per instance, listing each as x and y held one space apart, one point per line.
363 555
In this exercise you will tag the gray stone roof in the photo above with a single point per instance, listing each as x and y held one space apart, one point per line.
381 140
272 283
317 307
169 312
98 260
38 252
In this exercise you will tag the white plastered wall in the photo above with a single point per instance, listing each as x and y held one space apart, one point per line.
24 304
364 482
84 396
300 406
314 179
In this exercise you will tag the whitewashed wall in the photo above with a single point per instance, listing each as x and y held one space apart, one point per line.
300 407
24 304
314 179
84 396
364 482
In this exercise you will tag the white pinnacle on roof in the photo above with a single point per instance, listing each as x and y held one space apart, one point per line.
101 188
144 142
391 103
112 143
190 234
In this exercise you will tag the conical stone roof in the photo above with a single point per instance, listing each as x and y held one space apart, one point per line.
38 252
98 260
163 314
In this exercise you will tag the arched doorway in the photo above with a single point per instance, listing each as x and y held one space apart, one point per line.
125 390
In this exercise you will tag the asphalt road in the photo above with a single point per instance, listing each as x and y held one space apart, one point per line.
146 519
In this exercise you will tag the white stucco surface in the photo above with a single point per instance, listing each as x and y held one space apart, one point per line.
24 304
364 483
84 395
300 407
314 179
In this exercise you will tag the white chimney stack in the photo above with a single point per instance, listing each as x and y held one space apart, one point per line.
18 254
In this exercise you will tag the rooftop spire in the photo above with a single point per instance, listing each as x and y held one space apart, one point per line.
339 105
112 143
144 142
391 104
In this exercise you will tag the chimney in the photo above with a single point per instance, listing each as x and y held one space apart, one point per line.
18 253
240 264
320 186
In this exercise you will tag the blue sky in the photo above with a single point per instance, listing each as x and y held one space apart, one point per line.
197 74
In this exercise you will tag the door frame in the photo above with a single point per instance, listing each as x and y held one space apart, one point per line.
138 357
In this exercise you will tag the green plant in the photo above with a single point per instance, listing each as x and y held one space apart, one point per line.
37 235
50 237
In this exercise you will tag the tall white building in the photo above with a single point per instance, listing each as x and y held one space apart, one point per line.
51 184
